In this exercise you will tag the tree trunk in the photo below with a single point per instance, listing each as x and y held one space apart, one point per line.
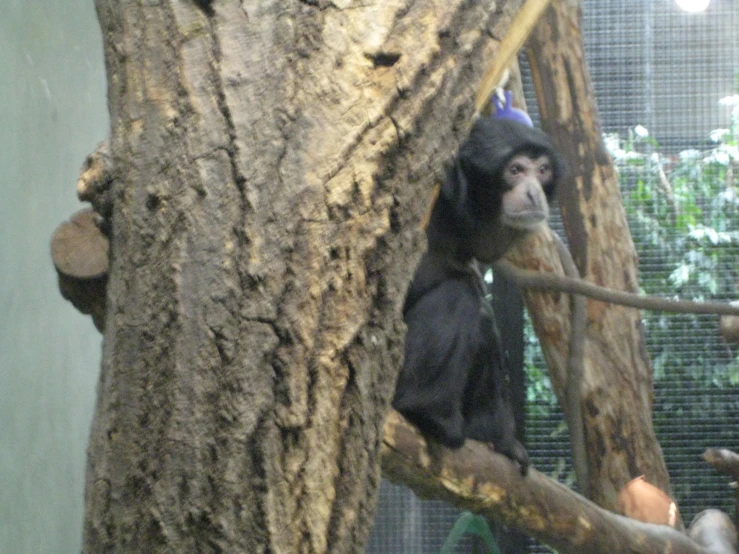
271 161
617 386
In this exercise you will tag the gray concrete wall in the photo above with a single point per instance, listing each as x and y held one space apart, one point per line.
52 113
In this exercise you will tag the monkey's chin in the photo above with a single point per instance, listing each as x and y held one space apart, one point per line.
526 221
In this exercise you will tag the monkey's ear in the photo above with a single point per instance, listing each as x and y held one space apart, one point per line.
455 195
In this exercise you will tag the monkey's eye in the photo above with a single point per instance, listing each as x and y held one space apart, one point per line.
515 169
545 168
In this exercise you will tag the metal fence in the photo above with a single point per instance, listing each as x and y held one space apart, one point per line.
664 80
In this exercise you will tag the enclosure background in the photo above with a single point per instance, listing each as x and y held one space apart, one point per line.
666 70
651 65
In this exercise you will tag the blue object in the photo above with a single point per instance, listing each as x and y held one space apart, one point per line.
507 111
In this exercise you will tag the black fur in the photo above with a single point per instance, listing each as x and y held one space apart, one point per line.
453 384
206 6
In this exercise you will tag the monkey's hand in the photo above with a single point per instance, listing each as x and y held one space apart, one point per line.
515 451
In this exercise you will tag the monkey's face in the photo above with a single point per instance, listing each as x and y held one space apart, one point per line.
504 175
524 203
514 205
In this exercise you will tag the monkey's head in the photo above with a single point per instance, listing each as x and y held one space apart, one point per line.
500 185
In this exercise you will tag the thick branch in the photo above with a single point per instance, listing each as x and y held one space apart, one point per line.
473 478
79 250
724 461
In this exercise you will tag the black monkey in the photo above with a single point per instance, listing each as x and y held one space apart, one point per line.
453 384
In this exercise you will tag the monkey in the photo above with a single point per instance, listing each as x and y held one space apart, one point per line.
453 382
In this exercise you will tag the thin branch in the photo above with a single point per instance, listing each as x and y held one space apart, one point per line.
575 371
549 281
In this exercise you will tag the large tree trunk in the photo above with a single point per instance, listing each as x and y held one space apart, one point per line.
271 161
617 386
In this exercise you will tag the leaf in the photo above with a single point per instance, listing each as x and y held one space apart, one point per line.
680 276
467 522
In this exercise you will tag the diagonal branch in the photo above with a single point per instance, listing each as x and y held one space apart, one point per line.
483 482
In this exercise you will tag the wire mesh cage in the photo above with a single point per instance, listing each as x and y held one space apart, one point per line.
667 89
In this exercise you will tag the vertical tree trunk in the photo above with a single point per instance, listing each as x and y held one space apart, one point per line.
617 389
270 163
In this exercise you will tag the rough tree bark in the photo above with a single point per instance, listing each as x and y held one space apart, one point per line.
270 163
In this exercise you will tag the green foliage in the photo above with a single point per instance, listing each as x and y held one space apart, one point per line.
540 398
467 522
683 213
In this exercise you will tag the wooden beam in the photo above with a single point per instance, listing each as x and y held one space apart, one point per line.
519 31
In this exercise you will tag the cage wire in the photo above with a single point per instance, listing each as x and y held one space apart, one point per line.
667 89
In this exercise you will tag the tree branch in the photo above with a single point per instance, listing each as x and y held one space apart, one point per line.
550 281
476 479
575 371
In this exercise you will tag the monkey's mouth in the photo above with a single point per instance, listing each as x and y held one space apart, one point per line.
527 219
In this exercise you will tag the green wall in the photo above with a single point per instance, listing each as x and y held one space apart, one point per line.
52 113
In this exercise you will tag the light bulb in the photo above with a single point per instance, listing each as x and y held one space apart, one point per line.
693 6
